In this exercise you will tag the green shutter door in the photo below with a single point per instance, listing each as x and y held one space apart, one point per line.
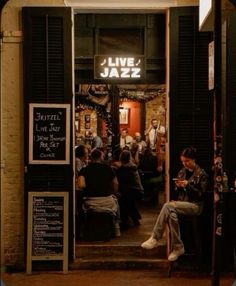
48 80
191 105
229 130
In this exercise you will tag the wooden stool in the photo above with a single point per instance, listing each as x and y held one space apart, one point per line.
98 226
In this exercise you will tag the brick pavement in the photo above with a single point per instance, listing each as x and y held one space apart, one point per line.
111 278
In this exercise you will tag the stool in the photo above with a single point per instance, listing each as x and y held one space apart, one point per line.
190 225
98 226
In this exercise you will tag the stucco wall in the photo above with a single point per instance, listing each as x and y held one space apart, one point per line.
12 124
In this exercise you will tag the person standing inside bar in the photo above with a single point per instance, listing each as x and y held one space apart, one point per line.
151 133
96 141
190 186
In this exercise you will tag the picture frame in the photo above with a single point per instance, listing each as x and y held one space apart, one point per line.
124 115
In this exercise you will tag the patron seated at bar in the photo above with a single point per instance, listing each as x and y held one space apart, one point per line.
81 161
141 143
100 185
130 189
151 177
190 185
125 139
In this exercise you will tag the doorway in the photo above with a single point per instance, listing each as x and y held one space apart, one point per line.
109 106
136 107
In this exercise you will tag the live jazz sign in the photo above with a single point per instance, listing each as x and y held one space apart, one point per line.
119 67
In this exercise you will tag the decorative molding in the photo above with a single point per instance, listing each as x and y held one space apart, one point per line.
131 5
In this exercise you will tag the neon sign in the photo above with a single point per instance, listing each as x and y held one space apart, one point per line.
119 67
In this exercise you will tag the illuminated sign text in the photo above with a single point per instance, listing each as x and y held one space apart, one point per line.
113 67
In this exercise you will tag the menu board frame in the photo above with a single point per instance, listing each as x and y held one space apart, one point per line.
59 256
32 107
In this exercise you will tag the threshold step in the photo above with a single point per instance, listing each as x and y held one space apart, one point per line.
119 250
119 263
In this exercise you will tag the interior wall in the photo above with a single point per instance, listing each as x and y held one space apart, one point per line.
156 109
133 117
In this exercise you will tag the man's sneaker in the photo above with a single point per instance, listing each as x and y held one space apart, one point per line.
175 254
150 243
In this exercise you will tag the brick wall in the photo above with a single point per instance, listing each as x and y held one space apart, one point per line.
12 156
156 109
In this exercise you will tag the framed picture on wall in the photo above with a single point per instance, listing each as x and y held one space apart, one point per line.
87 120
124 115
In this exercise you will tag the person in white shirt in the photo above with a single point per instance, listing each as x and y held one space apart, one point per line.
96 141
141 143
125 139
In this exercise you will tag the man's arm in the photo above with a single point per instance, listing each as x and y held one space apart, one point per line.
115 185
81 182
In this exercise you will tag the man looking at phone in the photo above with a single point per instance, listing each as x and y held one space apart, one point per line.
190 186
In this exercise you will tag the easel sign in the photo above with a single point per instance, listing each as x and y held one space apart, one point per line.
47 237
49 133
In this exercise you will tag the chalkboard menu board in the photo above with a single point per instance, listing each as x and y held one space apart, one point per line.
49 133
47 227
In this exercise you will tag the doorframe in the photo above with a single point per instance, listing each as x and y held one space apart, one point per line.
131 11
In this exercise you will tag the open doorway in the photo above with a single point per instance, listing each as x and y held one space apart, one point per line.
137 106
124 102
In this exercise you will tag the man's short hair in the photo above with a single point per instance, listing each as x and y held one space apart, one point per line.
96 154
80 151
125 156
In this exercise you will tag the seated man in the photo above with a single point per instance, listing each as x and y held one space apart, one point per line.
125 139
141 143
99 184
130 189
81 161
152 179
191 184
81 158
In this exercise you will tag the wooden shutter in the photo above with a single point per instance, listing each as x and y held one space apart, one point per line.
229 123
48 79
191 105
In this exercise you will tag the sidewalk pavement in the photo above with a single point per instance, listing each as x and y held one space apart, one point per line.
112 278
